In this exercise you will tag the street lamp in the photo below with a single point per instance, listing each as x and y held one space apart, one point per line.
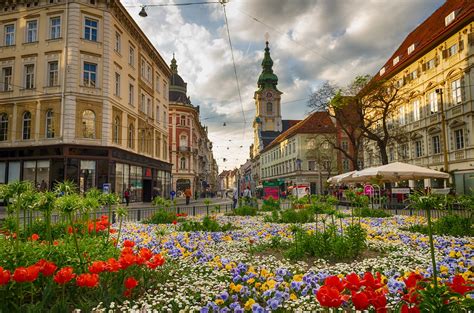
143 12
439 91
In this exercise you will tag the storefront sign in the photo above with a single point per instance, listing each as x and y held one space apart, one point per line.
271 192
369 190
400 190
440 191
106 187
147 172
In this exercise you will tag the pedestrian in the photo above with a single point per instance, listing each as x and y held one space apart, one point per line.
247 195
235 198
188 195
126 195
43 186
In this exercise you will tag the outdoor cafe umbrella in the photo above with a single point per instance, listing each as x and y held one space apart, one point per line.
338 178
393 172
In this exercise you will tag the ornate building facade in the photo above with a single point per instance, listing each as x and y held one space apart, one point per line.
190 149
83 96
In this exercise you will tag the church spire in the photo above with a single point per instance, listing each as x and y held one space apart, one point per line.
174 66
267 78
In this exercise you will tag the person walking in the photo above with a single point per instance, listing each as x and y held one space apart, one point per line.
235 198
188 194
126 195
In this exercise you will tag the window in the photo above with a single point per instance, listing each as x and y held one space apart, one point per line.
90 74
183 120
157 82
456 91
32 31
459 136
157 112
131 136
449 18
3 127
391 154
413 75
182 164
29 76
90 29
416 110
404 151
131 56
183 141
269 108
26 133
6 83
142 68
430 64
396 60
116 132
418 149
55 27
165 119
345 145
131 94
436 146
382 71
53 73
49 131
311 165
88 124
345 165
452 50
149 110
148 72
165 90
117 84
401 115
433 102
411 48
118 42
9 34
142 103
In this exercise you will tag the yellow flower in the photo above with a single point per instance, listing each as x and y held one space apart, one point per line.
298 277
257 285
452 254
219 301
249 303
228 266
251 281
293 297
235 288
443 269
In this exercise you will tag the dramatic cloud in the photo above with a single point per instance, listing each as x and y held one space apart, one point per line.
310 40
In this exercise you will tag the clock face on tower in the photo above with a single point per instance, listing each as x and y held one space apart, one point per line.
269 95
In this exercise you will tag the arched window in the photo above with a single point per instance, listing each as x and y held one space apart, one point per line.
49 124
88 124
183 120
183 141
269 108
141 146
116 132
26 125
131 136
3 127
182 164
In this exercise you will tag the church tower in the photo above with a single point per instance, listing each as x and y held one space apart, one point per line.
267 98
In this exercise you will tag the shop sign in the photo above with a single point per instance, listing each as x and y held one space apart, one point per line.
400 190
271 192
440 191
147 172
106 187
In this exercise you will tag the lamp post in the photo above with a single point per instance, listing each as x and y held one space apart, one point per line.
439 91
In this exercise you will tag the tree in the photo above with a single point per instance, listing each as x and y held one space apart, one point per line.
323 99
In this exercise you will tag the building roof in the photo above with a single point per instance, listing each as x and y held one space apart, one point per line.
267 78
178 87
316 123
429 34
268 136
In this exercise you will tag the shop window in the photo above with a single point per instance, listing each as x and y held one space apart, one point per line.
13 171
87 178
88 124
3 167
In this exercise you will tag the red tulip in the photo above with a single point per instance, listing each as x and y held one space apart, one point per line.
64 275
370 282
412 280
360 300
379 301
459 285
146 253
127 260
28 274
126 250
175 222
46 268
128 243
407 309
87 280
4 276
155 261
113 265
98 267
334 281
34 237
130 283
329 297
352 282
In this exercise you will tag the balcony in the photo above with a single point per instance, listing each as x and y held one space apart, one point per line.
436 158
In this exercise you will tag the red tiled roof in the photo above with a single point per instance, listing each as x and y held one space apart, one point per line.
430 33
316 123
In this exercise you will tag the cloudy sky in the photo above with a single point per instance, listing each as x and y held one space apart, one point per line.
310 41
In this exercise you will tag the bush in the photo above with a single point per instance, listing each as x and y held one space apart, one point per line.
366 212
452 225
291 216
270 204
208 224
161 217
245 210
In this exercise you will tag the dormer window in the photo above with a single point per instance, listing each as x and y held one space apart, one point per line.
411 48
396 60
382 71
449 18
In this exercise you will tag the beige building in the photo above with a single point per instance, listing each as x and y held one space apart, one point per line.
435 76
83 96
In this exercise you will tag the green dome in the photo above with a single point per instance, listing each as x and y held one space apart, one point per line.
267 78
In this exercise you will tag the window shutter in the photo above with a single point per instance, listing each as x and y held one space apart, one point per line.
423 67
461 45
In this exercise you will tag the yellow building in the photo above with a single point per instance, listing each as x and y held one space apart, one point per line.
433 67
83 96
